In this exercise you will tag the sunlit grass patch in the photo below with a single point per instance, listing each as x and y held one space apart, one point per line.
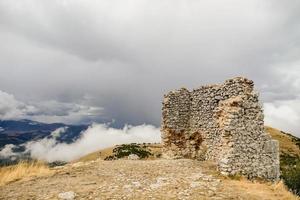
22 170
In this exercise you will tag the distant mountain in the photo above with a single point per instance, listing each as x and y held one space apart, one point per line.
20 131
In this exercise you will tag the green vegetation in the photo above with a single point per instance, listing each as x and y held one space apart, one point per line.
125 150
56 164
290 172
296 141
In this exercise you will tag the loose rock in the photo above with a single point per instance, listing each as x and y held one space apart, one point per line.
67 195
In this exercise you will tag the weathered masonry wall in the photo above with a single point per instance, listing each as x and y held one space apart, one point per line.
223 123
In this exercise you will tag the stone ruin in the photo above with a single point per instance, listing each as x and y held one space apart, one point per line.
222 123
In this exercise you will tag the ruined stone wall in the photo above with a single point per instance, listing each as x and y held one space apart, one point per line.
223 123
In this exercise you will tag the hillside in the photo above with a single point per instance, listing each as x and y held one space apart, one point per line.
288 144
99 176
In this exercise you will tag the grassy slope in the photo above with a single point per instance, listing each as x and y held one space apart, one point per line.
287 142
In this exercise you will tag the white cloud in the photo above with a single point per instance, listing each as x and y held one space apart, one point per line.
7 151
284 115
282 107
96 137
58 132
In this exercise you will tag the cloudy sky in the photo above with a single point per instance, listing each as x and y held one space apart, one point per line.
80 61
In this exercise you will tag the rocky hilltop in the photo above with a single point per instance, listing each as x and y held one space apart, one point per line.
140 179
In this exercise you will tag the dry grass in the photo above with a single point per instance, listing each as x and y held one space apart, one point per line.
22 170
285 141
260 190
155 149
282 189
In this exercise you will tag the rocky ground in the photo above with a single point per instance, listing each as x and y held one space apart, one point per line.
139 179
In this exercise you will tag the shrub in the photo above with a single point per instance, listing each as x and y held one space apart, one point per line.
291 178
125 150
56 164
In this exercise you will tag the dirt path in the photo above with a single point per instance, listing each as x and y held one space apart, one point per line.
129 179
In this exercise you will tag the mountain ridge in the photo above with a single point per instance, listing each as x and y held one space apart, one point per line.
17 132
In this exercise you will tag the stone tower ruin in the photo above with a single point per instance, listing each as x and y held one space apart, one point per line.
222 123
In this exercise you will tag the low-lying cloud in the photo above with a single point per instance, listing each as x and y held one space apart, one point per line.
8 151
96 137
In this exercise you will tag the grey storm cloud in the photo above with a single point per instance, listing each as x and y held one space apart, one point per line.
122 56
47 111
